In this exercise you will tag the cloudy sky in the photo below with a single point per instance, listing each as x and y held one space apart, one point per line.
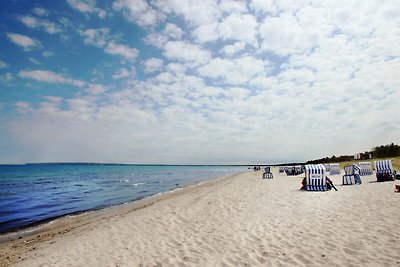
197 82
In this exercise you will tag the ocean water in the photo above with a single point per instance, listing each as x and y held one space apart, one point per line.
35 193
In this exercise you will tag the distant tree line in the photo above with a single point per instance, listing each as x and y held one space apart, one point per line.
391 150
331 159
383 151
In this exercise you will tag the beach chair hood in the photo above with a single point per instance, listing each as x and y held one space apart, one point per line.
315 177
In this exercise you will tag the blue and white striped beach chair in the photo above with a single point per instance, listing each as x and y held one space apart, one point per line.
351 175
298 169
315 177
384 170
327 167
365 168
267 173
334 169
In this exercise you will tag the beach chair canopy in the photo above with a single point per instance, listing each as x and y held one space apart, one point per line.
267 173
352 175
327 167
384 170
365 168
334 168
383 166
315 177
294 170
351 169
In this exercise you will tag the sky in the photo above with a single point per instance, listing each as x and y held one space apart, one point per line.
197 82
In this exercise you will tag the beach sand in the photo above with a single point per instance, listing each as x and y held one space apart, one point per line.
241 220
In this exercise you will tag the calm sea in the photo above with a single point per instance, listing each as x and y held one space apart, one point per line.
34 193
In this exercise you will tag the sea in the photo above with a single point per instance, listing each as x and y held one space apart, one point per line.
31 194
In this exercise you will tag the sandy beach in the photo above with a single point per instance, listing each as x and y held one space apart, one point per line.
240 220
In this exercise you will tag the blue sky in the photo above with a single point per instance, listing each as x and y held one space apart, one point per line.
197 82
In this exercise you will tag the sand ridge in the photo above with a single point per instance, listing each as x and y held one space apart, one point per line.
241 220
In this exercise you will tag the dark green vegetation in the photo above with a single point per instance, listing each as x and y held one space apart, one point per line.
383 151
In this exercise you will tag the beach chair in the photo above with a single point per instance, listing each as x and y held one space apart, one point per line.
384 170
281 169
267 173
294 170
327 167
352 175
289 170
334 169
365 168
298 169
315 177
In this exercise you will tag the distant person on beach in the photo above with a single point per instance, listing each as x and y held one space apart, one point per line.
328 183
303 184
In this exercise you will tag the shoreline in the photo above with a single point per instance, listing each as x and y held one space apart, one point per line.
45 225
44 231
234 220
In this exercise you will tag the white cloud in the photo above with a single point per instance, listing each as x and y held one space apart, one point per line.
206 33
235 71
29 21
83 5
156 39
264 82
230 50
34 61
298 76
186 52
49 77
87 6
48 54
176 68
243 75
152 65
291 38
6 78
239 27
138 11
173 31
3 64
102 38
53 99
124 73
121 50
95 89
40 11
23 41
233 6
34 23
271 7
22 105
195 12
96 37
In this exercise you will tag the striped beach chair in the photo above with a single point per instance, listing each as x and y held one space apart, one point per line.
352 175
267 173
334 169
365 168
315 177
327 167
384 170
298 169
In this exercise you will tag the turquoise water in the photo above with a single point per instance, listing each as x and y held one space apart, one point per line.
34 193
